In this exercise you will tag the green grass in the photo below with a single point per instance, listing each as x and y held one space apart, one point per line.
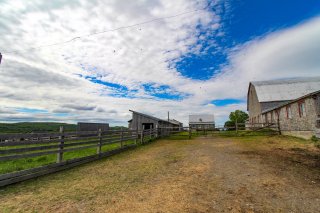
258 140
28 163
245 133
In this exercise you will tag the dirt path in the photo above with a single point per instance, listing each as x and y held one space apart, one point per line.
207 174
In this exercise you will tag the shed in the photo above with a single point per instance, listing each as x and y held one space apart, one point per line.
92 126
202 121
142 121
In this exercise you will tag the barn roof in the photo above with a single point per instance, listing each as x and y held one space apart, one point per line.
204 118
175 122
285 89
148 116
292 101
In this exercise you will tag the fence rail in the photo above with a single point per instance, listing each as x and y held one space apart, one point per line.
27 146
15 147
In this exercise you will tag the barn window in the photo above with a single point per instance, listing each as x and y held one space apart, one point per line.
302 109
289 112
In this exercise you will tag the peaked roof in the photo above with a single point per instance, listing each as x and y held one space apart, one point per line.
148 116
155 118
204 118
285 89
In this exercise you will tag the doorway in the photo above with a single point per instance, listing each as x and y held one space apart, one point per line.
147 126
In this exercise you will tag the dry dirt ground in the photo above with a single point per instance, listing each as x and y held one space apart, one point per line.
206 174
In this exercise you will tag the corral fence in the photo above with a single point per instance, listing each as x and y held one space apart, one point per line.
83 146
70 149
239 129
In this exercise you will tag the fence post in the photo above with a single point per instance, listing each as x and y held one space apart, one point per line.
142 135
190 132
99 149
137 137
151 130
278 121
121 142
60 153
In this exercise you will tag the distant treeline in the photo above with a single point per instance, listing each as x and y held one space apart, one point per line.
28 127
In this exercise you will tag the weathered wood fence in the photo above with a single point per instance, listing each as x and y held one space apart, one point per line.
25 146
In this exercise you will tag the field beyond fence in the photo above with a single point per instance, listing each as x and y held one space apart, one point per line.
25 156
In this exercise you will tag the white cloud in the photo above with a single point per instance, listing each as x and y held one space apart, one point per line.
49 78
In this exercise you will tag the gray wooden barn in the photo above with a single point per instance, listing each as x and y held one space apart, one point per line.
142 121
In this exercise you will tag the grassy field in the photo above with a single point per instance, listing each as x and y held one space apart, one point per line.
246 139
211 173
28 127
28 163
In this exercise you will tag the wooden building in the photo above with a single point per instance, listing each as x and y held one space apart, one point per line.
142 121
92 126
202 122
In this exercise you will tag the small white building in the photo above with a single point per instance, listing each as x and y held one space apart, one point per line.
203 121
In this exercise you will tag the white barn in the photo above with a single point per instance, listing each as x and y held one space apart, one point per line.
203 121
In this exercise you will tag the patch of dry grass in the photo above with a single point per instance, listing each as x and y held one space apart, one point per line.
207 174
94 185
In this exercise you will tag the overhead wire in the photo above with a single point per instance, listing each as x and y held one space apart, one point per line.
108 31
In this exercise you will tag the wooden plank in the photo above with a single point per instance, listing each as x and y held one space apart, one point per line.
37 169
27 136
38 148
14 157
25 143
28 149
43 142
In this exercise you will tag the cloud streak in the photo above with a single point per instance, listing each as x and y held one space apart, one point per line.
140 59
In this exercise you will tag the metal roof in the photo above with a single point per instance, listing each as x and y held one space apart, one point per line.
173 121
204 118
292 101
285 89
155 118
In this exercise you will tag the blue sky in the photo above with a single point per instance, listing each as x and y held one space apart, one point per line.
196 62
243 21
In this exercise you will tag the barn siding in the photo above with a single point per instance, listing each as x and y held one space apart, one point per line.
254 106
304 126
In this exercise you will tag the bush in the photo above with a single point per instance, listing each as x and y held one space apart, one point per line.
316 141
314 138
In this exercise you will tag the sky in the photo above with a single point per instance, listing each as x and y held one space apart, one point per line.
93 60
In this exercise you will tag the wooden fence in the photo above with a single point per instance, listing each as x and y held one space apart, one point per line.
26 146
103 143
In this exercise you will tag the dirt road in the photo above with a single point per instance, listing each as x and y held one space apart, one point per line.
207 174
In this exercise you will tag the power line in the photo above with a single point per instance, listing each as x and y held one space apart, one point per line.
111 30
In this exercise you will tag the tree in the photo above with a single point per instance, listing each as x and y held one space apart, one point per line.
237 116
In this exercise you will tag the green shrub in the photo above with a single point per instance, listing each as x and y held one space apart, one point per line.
314 138
316 141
